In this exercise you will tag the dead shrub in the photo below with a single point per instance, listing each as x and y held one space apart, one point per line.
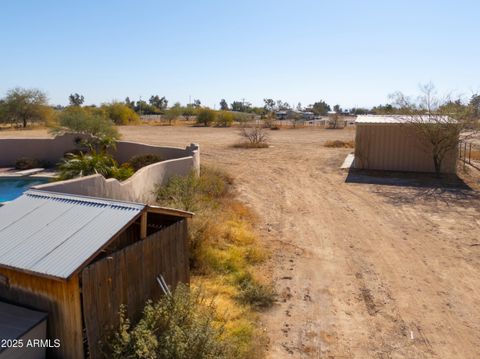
340 144
255 137
139 161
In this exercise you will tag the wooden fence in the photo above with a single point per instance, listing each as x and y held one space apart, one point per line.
469 153
128 277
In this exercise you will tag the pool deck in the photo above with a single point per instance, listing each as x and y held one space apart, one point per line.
34 172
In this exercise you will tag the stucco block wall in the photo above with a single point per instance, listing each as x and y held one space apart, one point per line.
52 150
396 147
138 188
48 150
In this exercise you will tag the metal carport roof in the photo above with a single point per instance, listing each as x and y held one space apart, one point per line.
54 234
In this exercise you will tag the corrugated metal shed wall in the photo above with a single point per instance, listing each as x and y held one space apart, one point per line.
395 147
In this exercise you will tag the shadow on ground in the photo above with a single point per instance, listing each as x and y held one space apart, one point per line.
408 187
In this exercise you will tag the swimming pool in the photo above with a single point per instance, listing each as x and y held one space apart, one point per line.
13 187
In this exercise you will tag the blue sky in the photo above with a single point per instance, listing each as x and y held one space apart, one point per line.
353 53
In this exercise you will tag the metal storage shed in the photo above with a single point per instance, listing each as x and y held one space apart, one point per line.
23 326
79 258
391 143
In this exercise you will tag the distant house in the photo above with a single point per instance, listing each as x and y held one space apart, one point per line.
281 115
391 143
78 259
308 116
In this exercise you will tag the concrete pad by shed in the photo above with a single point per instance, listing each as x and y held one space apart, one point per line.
348 162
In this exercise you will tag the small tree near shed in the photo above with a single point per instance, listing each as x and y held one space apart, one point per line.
440 123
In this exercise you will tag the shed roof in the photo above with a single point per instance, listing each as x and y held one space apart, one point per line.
399 119
54 234
16 321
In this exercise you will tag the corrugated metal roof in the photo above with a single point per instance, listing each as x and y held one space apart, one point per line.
55 234
398 119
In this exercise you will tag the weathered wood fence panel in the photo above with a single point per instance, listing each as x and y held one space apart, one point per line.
128 277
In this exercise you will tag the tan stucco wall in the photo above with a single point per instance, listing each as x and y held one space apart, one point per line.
52 150
395 147
49 150
138 188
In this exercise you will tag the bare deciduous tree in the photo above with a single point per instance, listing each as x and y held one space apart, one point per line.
439 122
335 121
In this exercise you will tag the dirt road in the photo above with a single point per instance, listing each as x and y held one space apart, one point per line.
363 270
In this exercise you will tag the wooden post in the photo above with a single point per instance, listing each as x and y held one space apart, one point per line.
143 225
470 154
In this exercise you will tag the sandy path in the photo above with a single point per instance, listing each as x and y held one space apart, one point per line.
363 270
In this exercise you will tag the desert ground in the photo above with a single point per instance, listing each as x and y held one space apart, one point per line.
366 266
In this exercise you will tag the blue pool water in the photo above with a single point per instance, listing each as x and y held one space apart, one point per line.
13 187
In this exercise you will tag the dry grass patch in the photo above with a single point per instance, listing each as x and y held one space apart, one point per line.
340 144
250 145
224 255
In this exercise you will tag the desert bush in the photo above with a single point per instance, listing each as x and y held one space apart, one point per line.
184 326
256 294
89 122
242 117
192 192
269 120
255 137
206 117
224 119
26 163
335 122
139 161
340 144
120 114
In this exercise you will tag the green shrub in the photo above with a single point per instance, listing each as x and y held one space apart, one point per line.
192 192
26 163
86 164
86 121
184 326
242 117
121 114
137 162
254 293
224 119
206 117
123 172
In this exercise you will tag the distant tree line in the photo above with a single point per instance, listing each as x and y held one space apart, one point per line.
21 107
